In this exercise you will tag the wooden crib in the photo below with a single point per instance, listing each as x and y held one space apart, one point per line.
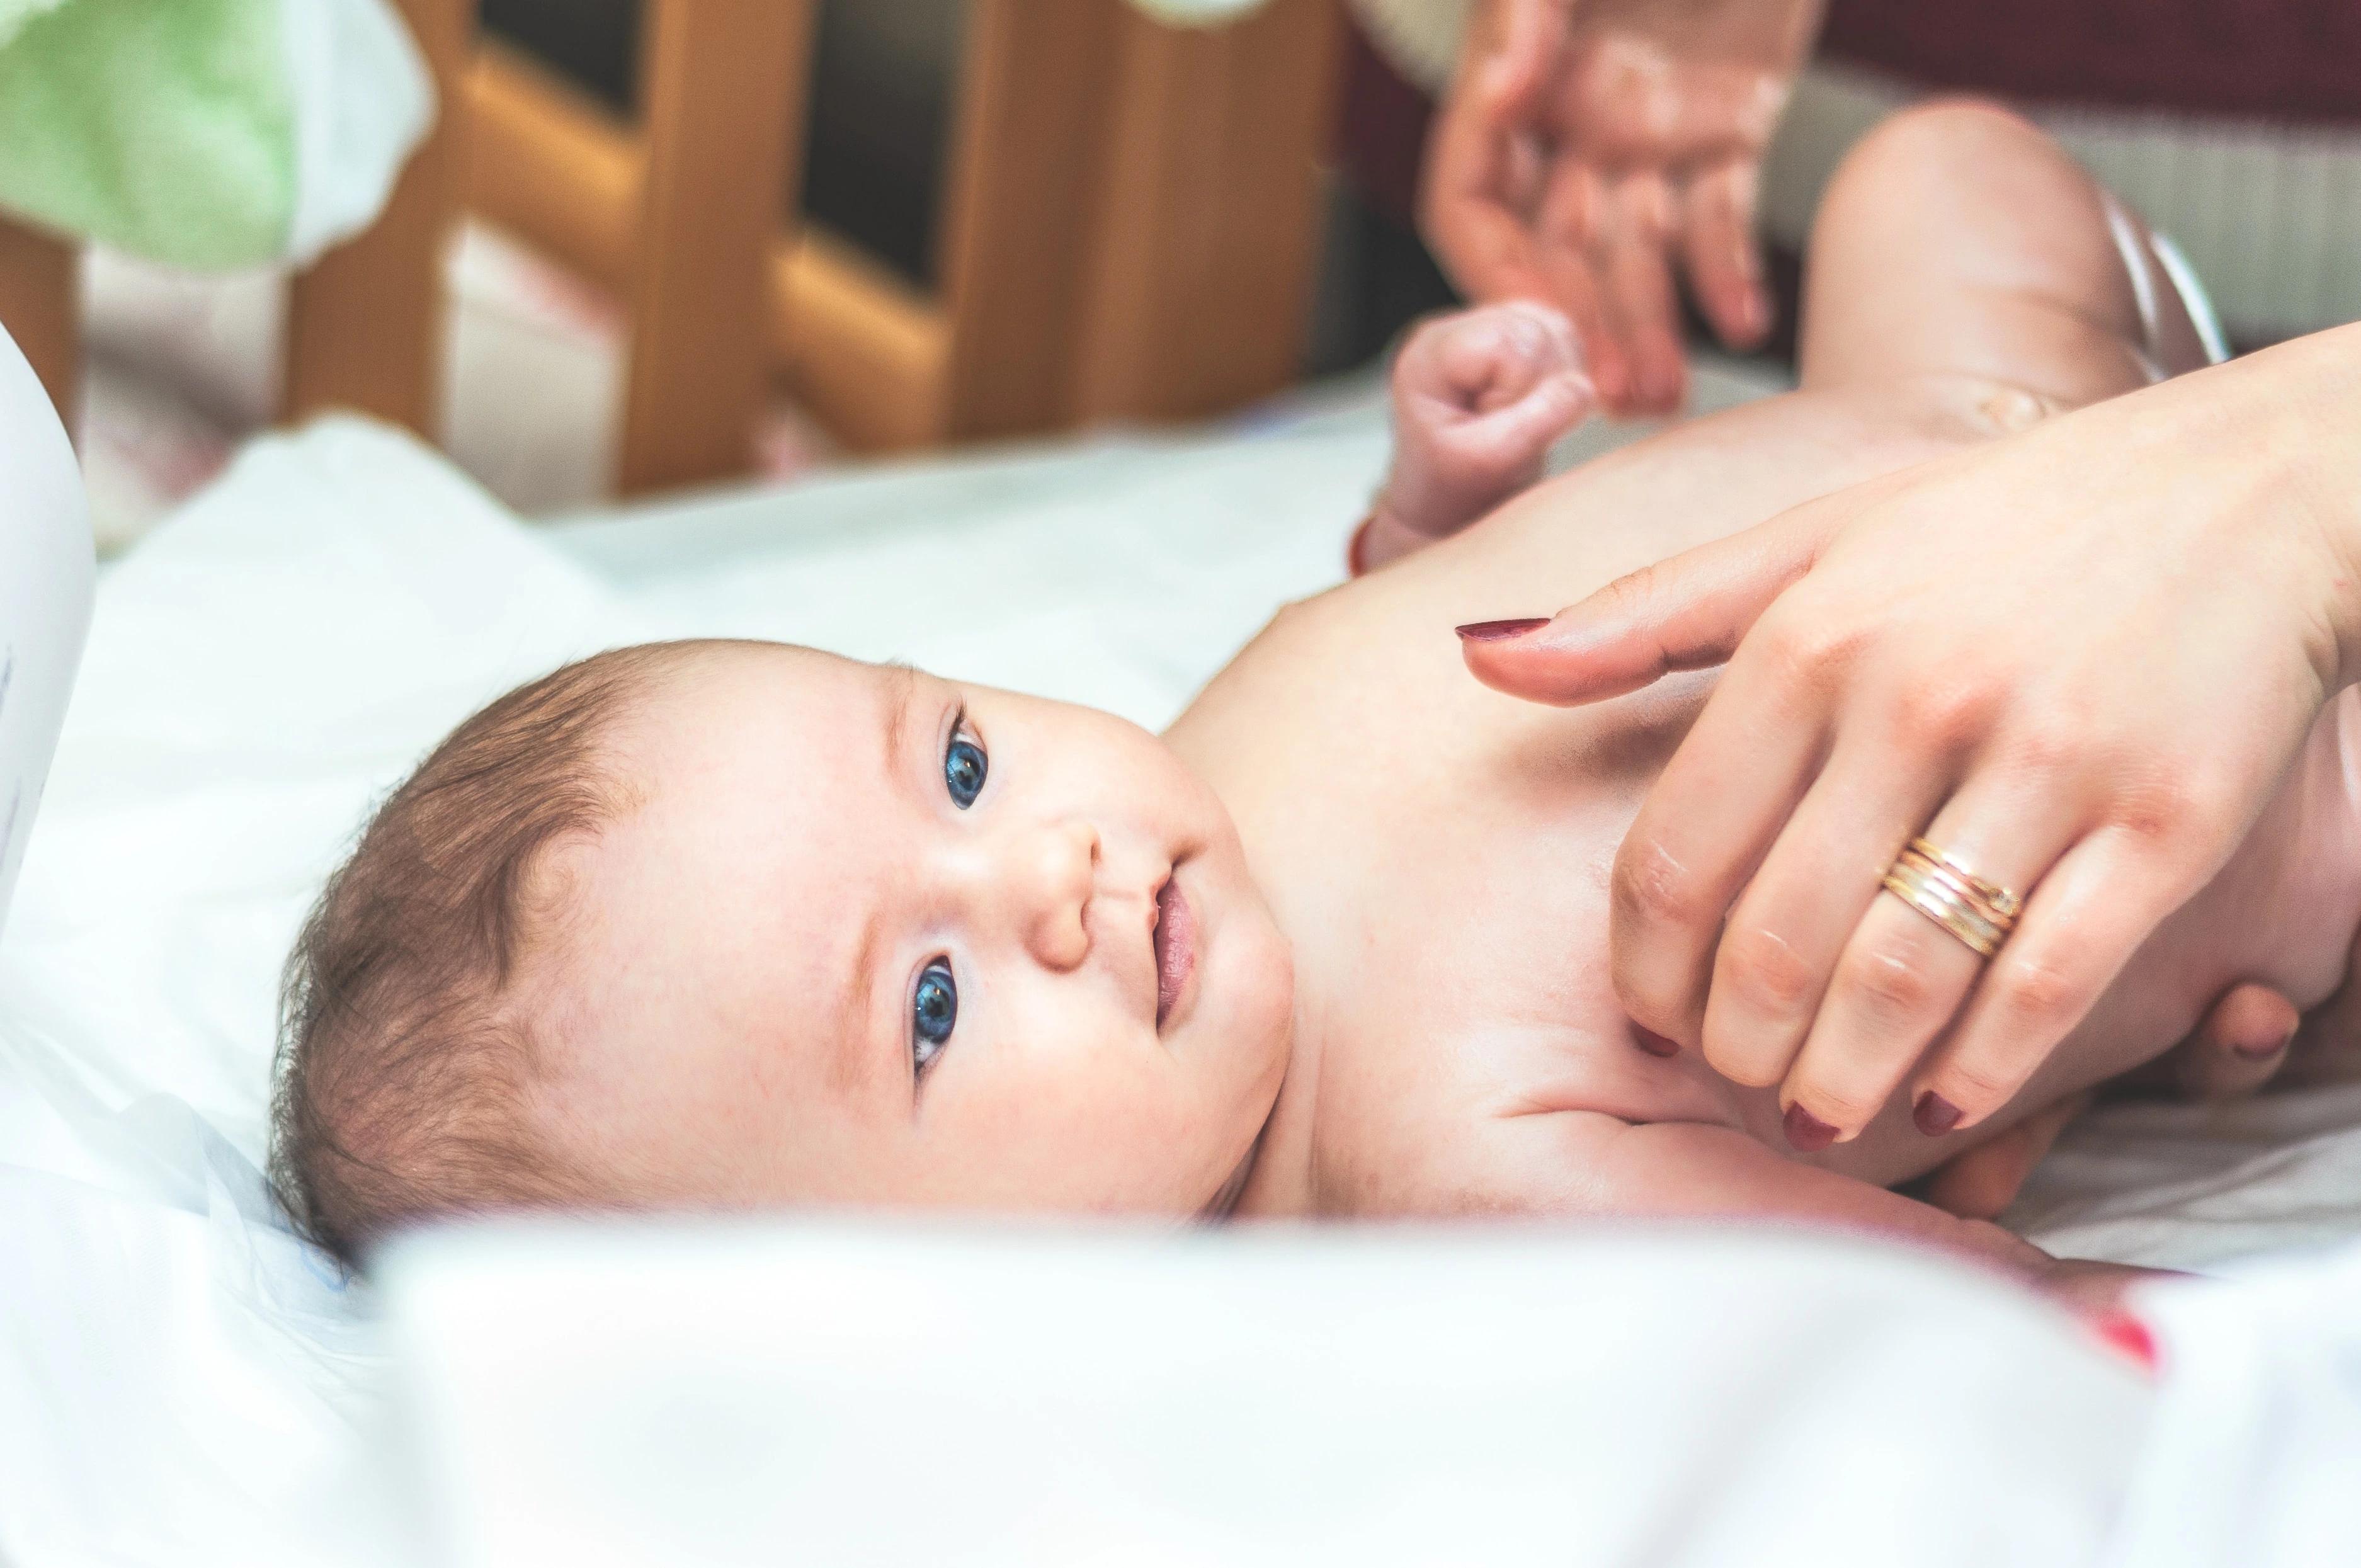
1130 231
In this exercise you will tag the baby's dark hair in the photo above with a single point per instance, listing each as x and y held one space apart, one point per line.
406 1059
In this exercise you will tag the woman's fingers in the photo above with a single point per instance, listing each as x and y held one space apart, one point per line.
2080 927
1522 55
1982 1182
1479 189
1571 209
1904 975
1685 613
2242 1041
1714 811
1630 255
2239 1047
1723 259
1485 244
1782 941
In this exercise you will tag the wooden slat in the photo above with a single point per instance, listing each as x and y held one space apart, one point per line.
41 304
551 165
722 89
365 324
1019 207
1132 227
864 351
1199 293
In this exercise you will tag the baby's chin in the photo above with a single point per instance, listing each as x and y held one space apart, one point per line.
1243 1021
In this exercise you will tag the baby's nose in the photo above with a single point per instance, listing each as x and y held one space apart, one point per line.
1056 869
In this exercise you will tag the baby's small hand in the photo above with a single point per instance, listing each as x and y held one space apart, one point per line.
1479 396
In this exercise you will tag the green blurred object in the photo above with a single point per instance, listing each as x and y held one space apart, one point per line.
164 127
206 134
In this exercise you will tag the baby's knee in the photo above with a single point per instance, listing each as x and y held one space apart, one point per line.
1940 135
1933 146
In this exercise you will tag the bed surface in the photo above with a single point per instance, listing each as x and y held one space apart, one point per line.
176 1369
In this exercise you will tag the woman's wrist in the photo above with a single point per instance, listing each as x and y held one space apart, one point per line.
2305 398
2254 469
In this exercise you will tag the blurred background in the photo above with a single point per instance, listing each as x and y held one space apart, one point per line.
995 219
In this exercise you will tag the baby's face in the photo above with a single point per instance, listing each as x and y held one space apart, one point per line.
870 937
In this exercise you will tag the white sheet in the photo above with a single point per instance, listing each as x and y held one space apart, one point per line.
45 568
760 1394
179 1380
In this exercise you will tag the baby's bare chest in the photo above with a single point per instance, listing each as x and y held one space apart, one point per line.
1449 914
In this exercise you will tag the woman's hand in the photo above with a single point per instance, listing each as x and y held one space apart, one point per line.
2240 1047
1583 148
2079 660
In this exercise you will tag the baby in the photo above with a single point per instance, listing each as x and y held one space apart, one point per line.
738 924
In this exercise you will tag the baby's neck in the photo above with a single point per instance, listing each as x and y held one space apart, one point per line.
1275 1180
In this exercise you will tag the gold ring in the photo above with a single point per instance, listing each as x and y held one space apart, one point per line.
2003 902
1978 913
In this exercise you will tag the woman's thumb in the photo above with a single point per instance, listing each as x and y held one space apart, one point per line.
1685 613
1523 51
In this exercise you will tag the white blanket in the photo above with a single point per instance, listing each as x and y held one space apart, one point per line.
180 1381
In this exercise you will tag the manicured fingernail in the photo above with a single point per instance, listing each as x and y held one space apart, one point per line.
1652 1043
2120 1331
1807 1133
1356 553
2264 1052
1500 630
1934 1114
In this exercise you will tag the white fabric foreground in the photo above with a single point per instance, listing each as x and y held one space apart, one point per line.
180 1381
835 1394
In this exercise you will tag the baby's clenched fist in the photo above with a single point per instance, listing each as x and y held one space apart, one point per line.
1479 397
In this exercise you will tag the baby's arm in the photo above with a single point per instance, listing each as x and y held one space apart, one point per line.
1479 397
1591 1164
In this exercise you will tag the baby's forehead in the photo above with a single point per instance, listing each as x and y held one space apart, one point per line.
731 891
726 691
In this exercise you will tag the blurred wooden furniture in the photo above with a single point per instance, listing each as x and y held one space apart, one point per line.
1130 231
40 298
1130 227
364 324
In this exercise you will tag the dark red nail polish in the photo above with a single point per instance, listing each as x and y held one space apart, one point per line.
1499 630
1652 1043
1935 1114
1357 552
1807 1133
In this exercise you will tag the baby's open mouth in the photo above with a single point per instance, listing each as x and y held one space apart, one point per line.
1174 939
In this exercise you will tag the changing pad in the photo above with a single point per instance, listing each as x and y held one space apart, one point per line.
178 1377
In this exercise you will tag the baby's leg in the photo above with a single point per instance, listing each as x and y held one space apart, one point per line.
1958 242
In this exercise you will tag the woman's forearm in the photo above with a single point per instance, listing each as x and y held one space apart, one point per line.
2300 402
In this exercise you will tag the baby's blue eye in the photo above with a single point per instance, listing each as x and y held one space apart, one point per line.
934 1009
963 769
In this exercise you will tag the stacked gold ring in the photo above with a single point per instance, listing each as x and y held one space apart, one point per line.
1979 914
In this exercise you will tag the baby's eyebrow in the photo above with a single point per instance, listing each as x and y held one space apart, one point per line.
855 1056
901 693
